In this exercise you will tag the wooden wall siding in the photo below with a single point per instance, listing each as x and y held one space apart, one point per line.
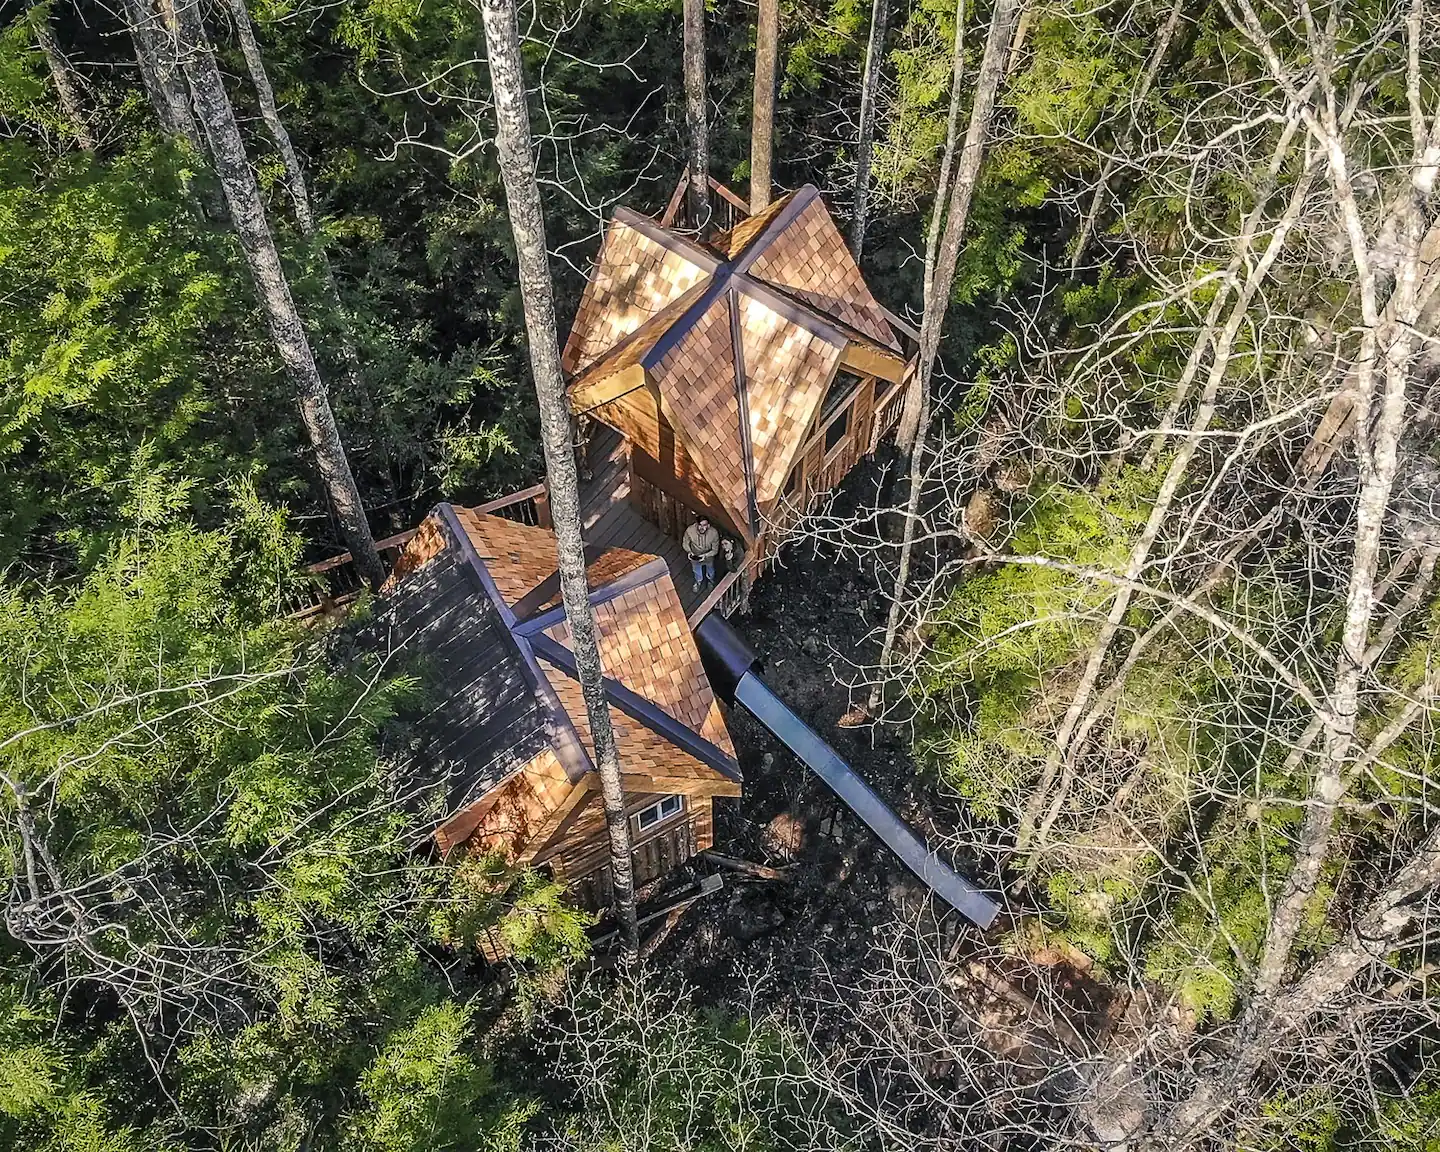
704 821
682 482
787 371
673 844
810 259
696 381
634 279
510 817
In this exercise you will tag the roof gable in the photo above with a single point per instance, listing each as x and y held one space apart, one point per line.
477 597
738 361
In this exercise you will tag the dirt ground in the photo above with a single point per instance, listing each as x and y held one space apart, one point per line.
810 621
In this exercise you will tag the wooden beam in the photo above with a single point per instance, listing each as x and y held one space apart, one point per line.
715 785
590 394
871 360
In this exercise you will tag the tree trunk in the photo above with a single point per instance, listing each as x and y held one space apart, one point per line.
762 122
67 85
299 192
242 196
522 198
270 113
696 133
160 70
938 285
865 142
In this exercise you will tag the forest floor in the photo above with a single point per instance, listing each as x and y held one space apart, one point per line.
811 620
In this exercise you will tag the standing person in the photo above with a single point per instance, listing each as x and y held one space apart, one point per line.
701 542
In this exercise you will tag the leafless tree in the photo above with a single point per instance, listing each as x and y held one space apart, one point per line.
522 197
940 279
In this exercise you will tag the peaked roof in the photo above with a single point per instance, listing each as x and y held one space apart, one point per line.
739 337
477 597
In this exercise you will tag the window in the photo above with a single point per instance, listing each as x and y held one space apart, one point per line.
661 810
842 388
836 432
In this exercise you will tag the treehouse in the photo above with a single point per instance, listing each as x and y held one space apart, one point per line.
736 377
476 597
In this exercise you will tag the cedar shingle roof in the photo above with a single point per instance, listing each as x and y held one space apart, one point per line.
477 597
756 321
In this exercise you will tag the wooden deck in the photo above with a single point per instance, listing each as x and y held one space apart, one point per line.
610 520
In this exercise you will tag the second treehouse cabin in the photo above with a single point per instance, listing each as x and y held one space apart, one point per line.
735 377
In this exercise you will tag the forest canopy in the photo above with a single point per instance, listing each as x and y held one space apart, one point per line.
1134 613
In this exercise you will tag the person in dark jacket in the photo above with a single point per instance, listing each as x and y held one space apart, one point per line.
701 542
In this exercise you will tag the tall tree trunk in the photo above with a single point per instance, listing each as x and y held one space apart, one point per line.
938 285
160 70
1107 170
865 142
299 191
762 121
270 113
696 133
67 85
242 196
522 198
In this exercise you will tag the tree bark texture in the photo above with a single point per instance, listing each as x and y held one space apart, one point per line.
696 131
865 141
522 197
67 85
939 282
270 113
762 120
299 190
242 197
967 176
156 53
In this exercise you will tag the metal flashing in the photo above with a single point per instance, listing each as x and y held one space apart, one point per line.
646 573
644 712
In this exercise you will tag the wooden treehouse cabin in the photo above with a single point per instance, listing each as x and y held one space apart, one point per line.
737 376
476 598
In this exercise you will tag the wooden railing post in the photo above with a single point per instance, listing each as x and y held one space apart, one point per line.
542 508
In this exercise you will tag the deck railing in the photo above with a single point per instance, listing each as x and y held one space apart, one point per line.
338 584
726 597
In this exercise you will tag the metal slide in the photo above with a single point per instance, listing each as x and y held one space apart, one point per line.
731 665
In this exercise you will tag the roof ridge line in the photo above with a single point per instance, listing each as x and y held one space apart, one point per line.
802 197
742 407
645 712
569 748
638 577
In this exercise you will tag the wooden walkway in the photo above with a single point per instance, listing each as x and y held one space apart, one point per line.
610 520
